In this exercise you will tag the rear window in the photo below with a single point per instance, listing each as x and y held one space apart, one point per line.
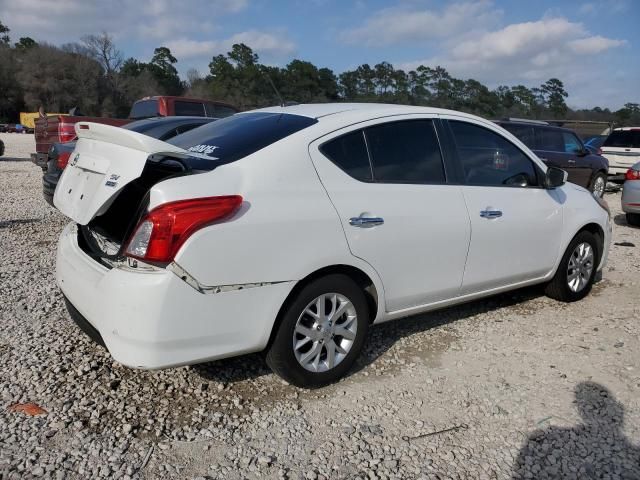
219 111
189 109
623 139
144 109
235 137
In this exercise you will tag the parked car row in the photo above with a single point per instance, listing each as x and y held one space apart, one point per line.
562 148
290 230
61 128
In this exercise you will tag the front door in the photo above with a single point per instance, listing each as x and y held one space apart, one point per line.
516 224
387 182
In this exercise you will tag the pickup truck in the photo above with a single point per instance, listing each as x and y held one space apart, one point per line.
61 128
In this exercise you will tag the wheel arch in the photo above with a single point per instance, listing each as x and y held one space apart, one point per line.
361 278
598 232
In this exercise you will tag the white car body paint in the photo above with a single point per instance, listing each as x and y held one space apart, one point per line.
432 251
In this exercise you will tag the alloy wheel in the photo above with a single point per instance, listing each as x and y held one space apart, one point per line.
599 185
325 332
580 267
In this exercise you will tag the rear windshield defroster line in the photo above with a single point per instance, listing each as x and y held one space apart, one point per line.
238 136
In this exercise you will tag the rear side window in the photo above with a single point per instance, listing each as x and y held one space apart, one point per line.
623 139
189 109
405 152
524 133
349 153
144 109
235 137
488 159
549 140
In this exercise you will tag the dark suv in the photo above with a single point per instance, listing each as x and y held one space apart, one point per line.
562 148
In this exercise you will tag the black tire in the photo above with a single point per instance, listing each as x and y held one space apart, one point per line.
595 179
633 219
281 357
558 287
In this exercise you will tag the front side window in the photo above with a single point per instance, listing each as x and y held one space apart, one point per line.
571 143
405 152
489 159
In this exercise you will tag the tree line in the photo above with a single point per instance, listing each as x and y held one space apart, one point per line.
93 76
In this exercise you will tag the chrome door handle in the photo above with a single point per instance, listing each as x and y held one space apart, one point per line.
490 213
571 160
366 222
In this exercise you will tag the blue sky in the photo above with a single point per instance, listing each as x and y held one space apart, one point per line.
591 45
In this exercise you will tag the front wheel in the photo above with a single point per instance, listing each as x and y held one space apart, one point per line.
321 333
598 185
577 270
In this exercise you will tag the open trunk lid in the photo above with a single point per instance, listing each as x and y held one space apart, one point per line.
105 160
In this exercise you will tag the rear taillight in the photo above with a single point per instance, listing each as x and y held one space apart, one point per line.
162 232
632 174
66 132
63 159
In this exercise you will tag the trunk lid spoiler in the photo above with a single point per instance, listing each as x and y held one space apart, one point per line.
104 161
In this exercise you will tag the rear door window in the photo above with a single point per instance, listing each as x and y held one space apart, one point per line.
524 133
144 109
349 153
623 139
189 109
235 137
405 152
549 140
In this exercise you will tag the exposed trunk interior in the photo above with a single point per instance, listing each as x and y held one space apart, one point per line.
105 235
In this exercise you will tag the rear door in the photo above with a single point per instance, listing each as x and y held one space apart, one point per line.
388 183
516 224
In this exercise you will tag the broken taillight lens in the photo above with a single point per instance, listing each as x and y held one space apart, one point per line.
632 174
162 232
63 159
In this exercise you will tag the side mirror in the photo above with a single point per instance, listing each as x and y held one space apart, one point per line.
583 152
555 177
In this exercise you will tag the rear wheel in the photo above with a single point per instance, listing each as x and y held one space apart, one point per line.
598 185
577 270
633 219
322 332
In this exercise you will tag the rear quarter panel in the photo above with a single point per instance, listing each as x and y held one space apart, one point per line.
285 230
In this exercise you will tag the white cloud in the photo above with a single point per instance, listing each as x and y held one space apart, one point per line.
400 24
592 45
263 43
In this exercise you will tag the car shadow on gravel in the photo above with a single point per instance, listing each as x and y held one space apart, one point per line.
621 219
381 337
595 448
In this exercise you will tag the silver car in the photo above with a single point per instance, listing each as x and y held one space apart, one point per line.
631 195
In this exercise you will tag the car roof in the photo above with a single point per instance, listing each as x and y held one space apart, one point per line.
367 110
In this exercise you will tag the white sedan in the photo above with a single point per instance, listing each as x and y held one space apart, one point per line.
290 230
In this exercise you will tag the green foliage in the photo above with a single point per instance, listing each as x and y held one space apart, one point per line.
94 76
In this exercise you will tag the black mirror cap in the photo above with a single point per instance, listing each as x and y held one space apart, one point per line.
555 177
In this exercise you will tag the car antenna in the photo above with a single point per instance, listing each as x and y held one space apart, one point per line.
282 104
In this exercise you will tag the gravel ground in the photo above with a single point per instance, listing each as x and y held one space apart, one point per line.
515 386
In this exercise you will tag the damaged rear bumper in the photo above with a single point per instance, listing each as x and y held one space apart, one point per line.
153 319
